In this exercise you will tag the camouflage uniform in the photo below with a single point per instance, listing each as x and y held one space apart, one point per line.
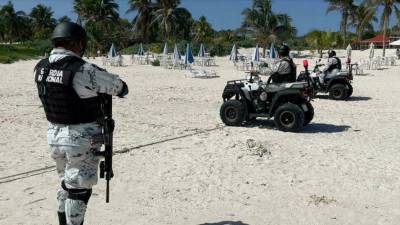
325 71
284 71
73 146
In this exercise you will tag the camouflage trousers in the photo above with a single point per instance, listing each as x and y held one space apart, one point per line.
73 150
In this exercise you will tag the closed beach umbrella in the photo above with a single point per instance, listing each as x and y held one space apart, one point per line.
141 50
188 55
112 52
233 57
348 49
202 51
165 51
371 50
176 56
256 55
272 52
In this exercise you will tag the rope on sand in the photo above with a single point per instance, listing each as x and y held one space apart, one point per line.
48 169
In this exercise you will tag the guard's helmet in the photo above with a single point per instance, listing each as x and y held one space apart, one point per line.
68 31
284 50
331 53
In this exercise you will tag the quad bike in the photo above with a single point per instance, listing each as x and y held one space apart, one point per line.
288 103
338 84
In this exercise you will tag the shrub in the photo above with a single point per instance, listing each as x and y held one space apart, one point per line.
155 63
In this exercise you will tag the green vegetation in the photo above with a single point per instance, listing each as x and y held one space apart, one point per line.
12 53
156 63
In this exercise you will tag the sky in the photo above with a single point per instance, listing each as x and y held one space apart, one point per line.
222 14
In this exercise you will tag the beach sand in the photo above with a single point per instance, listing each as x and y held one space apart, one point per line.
180 165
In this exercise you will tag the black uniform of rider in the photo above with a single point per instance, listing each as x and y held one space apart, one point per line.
285 70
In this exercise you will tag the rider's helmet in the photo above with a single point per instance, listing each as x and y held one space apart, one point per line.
68 31
331 53
284 50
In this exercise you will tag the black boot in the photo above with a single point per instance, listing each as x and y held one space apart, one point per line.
61 218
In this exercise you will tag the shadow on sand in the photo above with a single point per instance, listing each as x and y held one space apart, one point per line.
358 98
206 77
351 99
313 128
309 129
226 223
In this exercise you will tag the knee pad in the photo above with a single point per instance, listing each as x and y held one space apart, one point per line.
77 194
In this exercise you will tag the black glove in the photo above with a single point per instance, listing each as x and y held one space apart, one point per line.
124 90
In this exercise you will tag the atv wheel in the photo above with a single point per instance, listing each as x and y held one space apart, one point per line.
232 113
289 117
350 90
309 115
338 92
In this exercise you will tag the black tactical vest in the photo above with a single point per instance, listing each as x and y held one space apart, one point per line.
286 78
335 66
61 103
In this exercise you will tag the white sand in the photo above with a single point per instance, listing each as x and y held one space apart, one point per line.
344 168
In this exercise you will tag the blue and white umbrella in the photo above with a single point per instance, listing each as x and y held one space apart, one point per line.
233 57
141 50
176 56
256 55
272 52
202 51
165 51
188 55
112 52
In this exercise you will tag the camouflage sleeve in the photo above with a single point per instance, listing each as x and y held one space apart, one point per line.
329 63
92 80
282 67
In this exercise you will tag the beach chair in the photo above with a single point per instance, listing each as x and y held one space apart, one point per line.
200 73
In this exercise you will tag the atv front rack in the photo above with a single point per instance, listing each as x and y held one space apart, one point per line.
242 81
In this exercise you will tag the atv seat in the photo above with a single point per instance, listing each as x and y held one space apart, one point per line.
275 87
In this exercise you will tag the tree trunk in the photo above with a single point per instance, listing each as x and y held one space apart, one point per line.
264 49
345 16
385 25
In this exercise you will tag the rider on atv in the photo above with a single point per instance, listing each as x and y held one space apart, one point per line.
333 65
285 70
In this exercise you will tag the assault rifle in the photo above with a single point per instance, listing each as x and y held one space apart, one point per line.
107 124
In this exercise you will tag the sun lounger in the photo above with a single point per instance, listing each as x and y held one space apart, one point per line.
200 73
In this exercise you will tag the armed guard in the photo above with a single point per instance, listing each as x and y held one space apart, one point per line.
285 70
333 65
69 89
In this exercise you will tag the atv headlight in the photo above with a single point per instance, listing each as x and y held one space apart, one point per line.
263 96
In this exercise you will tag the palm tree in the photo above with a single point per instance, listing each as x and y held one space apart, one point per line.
165 15
388 7
184 24
362 20
97 11
42 17
100 18
14 23
43 21
322 40
202 30
346 7
144 17
267 26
